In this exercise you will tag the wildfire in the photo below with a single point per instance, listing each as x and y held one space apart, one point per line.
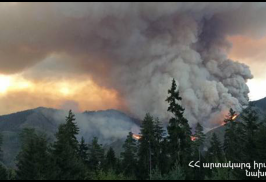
193 138
234 117
137 137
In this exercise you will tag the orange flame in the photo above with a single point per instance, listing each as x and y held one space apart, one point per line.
193 138
137 137
234 117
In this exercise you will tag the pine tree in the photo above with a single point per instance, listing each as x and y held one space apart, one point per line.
234 143
260 142
215 152
129 156
198 142
83 151
146 148
231 139
33 160
199 136
110 160
165 159
247 132
197 148
66 152
96 156
160 155
179 130
261 147
250 127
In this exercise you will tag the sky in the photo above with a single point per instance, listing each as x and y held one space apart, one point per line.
82 56
252 51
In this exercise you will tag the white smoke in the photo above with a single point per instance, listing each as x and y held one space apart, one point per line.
153 43
137 48
108 126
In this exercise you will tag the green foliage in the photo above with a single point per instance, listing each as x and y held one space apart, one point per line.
260 143
129 156
33 160
146 147
83 151
65 153
215 152
221 174
176 173
160 159
96 156
247 131
199 136
232 141
110 160
109 175
178 129
250 126
197 148
11 173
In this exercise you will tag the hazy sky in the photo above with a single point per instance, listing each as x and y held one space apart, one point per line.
252 52
42 57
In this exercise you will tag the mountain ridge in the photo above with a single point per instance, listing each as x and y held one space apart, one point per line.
110 126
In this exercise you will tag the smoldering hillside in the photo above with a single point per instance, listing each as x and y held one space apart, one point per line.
137 48
110 127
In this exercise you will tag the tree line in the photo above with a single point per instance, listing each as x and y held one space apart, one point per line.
158 153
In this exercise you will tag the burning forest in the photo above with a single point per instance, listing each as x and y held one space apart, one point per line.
155 89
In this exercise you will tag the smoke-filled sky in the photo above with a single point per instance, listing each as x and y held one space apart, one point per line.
95 56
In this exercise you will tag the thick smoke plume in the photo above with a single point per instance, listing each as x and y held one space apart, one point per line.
137 48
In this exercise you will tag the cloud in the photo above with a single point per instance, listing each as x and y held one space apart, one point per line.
78 94
137 48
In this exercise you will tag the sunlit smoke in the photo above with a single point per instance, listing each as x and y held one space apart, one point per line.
132 51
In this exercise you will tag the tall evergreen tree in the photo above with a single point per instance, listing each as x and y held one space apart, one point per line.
179 130
231 138
160 155
197 148
96 156
199 139
261 147
199 136
165 159
247 132
66 151
110 160
129 156
146 148
215 152
33 160
250 127
260 143
83 151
